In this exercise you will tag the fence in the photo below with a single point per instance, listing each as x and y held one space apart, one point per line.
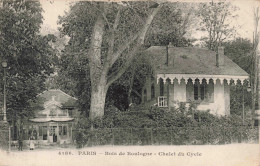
165 136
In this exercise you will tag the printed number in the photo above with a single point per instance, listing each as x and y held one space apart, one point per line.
65 153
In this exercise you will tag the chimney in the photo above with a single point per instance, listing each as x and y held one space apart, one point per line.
220 56
169 58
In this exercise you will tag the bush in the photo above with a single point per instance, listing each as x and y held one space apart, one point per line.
161 126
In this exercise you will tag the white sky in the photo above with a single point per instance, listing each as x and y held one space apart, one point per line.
54 8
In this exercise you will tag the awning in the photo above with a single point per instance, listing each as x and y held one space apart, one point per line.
39 120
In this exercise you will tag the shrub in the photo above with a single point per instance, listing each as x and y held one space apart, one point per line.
161 126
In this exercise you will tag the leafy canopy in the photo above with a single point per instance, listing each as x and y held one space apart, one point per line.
28 54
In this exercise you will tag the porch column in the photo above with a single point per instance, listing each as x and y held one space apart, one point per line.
48 132
219 98
71 133
68 132
171 94
37 130
58 135
227 98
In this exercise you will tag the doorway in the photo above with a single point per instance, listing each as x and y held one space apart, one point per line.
53 133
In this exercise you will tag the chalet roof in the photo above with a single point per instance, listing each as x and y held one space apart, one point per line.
59 96
190 60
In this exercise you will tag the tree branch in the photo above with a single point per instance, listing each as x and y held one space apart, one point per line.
103 14
138 94
112 36
139 36
116 75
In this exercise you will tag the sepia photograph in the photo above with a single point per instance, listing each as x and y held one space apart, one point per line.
131 83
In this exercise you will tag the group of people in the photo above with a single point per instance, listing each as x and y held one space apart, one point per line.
20 142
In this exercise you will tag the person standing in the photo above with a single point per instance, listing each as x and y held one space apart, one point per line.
31 143
20 142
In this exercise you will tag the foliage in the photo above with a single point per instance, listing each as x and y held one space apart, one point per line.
161 126
123 28
73 78
28 54
170 26
215 20
125 86
240 51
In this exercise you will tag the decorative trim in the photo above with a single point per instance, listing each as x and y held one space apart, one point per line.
221 78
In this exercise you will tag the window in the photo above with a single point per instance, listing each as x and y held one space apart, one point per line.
161 87
196 90
203 91
152 91
189 91
60 130
203 88
52 112
65 130
52 130
210 91
44 132
70 112
40 130
145 95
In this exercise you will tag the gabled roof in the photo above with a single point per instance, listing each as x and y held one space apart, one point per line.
190 60
58 96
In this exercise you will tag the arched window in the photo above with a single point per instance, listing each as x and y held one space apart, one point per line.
161 87
145 95
196 89
189 91
203 89
152 91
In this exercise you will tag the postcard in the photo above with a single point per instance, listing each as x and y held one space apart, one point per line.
129 83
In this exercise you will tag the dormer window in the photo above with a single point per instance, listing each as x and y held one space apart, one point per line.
52 112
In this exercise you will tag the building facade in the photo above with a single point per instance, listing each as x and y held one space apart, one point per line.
191 75
54 122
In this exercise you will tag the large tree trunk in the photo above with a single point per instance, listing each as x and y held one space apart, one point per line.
98 99
97 71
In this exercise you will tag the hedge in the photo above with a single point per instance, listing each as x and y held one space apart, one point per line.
161 126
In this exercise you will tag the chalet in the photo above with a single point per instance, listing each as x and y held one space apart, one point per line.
54 121
189 74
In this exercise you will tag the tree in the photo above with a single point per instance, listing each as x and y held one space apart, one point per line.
240 51
215 20
254 74
73 78
112 34
28 54
170 26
